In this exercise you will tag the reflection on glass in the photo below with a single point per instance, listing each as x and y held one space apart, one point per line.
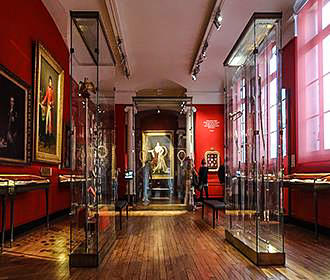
273 61
273 92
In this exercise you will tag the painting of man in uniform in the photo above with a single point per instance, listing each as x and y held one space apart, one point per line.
12 120
158 149
48 108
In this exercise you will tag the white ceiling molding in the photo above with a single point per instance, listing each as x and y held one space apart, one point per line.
119 35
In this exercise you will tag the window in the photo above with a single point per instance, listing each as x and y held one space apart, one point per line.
267 71
313 96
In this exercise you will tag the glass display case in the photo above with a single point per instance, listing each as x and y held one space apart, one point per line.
254 150
92 229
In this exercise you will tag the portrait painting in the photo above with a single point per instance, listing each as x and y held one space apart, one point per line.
158 149
49 86
15 118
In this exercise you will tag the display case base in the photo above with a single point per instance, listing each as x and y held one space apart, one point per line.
80 258
258 258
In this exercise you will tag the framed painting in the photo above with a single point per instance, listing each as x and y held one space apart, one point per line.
49 87
159 151
15 118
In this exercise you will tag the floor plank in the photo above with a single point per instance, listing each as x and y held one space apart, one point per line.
163 245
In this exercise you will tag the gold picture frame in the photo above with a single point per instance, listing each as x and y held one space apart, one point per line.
48 120
15 119
159 150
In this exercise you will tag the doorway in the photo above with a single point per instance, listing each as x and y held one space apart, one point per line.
163 140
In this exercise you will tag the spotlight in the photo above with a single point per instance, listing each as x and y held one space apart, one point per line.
206 44
218 20
195 72
217 24
158 111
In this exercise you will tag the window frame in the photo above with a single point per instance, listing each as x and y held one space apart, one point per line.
307 43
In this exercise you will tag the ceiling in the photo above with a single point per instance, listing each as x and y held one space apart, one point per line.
163 37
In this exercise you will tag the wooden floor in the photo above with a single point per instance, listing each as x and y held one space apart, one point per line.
163 245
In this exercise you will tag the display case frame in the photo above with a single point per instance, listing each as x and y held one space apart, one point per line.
92 123
253 150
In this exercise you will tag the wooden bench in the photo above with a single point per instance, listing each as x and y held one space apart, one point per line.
215 205
119 206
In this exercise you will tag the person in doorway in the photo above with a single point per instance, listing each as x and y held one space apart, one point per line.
146 171
203 179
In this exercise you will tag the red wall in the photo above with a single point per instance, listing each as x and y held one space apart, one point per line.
206 138
301 200
22 23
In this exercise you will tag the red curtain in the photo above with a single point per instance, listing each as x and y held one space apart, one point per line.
313 96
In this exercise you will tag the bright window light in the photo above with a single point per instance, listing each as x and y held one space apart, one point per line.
325 14
272 61
273 118
273 145
311 62
312 104
313 131
326 54
326 131
284 142
273 92
311 23
326 94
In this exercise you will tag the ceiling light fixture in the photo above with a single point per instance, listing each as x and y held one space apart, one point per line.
195 72
218 19
215 20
